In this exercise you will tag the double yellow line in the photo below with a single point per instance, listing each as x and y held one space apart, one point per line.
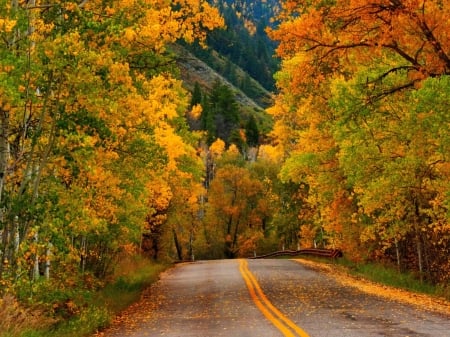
284 324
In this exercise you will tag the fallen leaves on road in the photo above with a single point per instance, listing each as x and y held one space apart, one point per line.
423 301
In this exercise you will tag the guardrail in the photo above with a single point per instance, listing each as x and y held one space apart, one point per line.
330 253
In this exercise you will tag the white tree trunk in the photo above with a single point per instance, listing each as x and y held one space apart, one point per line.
48 255
16 235
36 259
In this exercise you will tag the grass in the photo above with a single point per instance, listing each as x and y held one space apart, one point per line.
101 307
388 275
129 285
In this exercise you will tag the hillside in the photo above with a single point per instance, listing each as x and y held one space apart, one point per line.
238 58
193 70
242 52
226 98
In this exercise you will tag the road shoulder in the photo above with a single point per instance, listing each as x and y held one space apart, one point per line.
422 301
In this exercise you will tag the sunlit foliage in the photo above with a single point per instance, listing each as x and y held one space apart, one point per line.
361 118
93 140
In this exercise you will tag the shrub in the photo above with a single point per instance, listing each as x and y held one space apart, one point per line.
16 318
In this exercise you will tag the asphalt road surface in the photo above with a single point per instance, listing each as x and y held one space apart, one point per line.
259 298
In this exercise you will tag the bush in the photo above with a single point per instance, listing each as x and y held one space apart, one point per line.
78 309
16 318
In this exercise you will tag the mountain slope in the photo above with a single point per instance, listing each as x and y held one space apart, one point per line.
240 58
193 70
242 52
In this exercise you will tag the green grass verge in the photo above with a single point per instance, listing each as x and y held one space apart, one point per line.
101 307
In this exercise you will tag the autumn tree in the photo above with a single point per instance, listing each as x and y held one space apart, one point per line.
233 200
350 89
90 117
395 157
183 223
337 36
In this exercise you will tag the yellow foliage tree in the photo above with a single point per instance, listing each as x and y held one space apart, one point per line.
92 127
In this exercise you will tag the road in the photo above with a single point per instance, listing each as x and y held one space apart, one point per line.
272 297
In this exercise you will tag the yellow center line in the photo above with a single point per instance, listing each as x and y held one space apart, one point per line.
286 332
265 306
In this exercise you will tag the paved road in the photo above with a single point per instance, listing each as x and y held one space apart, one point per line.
268 298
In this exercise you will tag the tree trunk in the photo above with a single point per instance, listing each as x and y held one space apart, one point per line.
397 253
83 254
48 254
177 245
419 256
418 239
4 249
426 260
234 245
230 222
4 148
191 243
36 259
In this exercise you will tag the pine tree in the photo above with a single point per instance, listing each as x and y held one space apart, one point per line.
252 132
196 95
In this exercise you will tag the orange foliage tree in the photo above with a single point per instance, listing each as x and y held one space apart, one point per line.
234 211
350 94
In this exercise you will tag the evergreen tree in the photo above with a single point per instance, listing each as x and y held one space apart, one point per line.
252 132
223 109
207 120
196 95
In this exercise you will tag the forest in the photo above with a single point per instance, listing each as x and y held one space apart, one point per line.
104 153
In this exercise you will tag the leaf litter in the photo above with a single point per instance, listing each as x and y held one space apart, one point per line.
422 301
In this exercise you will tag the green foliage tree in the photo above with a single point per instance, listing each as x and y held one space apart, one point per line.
252 131
220 113
394 154
197 95
92 128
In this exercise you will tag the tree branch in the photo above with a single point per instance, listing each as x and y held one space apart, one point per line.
390 91
390 71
